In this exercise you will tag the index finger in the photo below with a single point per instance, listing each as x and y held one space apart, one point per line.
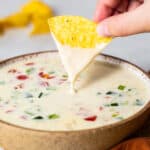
105 9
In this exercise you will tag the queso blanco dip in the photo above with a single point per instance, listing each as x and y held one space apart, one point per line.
34 94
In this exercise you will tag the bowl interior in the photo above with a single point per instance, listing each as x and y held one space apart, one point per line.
109 59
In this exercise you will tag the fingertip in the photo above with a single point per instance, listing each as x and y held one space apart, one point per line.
96 18
102 30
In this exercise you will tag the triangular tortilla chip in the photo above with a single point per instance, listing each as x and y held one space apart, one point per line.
77 41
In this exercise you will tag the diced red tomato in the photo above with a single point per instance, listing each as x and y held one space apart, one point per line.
91 118
29 64
22 77
51 77
107 97
100 108
45 75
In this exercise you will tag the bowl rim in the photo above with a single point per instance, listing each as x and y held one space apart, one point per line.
107 126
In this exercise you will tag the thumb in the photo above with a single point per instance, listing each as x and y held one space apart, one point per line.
128 23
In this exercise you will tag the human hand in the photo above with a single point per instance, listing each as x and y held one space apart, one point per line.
122 17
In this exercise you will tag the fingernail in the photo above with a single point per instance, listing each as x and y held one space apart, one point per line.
102 30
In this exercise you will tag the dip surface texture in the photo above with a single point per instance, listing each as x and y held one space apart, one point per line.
35 94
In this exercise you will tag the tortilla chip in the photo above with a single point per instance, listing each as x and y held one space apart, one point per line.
17 20
1 27
39 13
37 8
40 26
35 11
76 31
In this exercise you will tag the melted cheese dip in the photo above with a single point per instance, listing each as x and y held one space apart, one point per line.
34 94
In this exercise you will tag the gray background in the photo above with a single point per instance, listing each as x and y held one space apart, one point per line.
15 42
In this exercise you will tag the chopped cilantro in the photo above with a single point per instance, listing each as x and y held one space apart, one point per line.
40 95
28 95
51 72
110 93
120 95
139 102
114 104
65 76
38 117
53 116
51 88
115 115
106 105
121 87
30 70
29 113
111 104
119 118
129 89
99 93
